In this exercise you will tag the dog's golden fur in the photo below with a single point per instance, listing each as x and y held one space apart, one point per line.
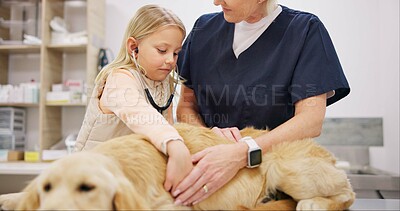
128 173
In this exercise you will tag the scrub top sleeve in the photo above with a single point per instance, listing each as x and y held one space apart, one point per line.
184 61
318 69
184 55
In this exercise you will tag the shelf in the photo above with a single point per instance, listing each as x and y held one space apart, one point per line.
81 48
22 168
58 60
5 49
16 23
66 104
25 105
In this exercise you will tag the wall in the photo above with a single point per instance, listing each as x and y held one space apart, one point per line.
366 37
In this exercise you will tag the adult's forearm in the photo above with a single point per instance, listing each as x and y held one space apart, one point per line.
307 123
187 110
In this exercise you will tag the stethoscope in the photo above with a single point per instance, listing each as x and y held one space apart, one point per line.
160 109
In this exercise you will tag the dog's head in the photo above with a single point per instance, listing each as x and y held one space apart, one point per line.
82 181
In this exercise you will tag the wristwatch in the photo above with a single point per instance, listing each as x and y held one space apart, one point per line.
164 148
254 155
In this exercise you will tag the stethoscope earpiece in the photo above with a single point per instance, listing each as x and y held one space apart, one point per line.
136 50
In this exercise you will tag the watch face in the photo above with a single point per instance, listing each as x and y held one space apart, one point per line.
255 157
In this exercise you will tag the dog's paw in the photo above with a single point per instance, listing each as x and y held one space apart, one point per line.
10 201
310 204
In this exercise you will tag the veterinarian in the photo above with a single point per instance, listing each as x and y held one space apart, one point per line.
258 64
134 92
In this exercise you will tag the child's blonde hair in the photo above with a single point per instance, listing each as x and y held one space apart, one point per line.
146 21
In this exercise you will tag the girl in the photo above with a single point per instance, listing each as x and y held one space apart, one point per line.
134 92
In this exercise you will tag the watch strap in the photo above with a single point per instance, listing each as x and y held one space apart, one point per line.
250 142
254 150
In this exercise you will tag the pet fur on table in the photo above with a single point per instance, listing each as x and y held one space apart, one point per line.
128 173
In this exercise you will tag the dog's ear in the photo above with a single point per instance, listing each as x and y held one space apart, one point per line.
30 199
10 201
128 198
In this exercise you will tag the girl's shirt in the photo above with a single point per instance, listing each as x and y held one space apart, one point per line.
121 108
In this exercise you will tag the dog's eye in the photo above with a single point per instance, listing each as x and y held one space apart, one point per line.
85 187
47 187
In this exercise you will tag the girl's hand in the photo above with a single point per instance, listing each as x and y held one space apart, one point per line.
179 164
215 167
230 133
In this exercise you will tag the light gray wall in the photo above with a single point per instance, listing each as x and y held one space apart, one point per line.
366 36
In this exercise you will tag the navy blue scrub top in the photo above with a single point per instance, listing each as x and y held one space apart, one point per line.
292 60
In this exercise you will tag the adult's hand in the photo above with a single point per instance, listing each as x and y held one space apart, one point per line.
231 133
179 164
215 167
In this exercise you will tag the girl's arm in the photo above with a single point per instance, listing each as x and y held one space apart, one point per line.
122 97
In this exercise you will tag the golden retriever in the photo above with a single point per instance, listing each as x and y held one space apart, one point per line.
127 173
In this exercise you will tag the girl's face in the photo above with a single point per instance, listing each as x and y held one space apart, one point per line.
236 11
158 52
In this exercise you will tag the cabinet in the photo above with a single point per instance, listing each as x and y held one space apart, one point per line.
52 60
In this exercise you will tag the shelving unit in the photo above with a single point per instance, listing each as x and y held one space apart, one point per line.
10 49
52 62
24 105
